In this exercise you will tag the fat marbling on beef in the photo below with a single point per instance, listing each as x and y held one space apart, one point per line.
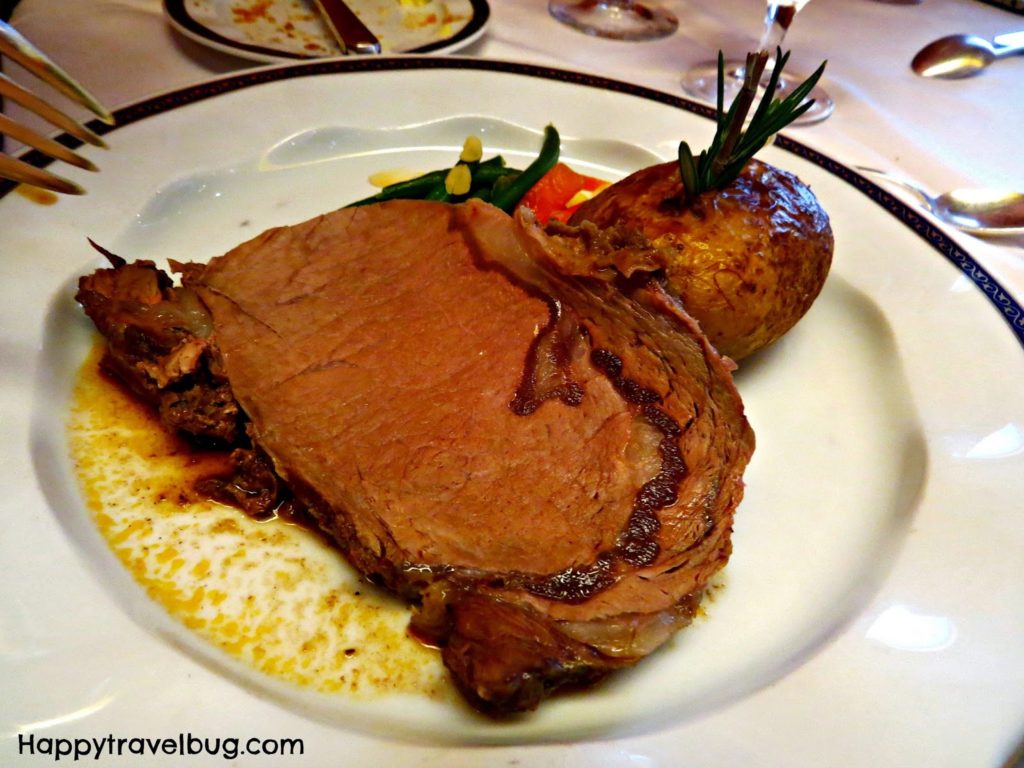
522 434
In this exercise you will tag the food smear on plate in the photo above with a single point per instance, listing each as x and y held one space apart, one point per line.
37 195
517 429
270 593
290 25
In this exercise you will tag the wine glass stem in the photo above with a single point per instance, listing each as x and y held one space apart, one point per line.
777 19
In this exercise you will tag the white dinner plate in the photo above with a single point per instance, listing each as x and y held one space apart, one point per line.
872 612
289 30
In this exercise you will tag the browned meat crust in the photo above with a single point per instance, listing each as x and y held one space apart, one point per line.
158 344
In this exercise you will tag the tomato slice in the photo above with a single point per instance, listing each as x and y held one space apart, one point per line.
550 197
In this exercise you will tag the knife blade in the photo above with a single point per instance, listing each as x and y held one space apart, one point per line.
352 35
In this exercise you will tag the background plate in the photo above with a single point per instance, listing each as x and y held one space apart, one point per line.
287 30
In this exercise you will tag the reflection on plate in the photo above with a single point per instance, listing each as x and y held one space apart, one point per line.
283 30
870 479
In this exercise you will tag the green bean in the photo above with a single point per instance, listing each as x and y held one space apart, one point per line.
495 162
487 177
438 192
513 193
503 182
491 174
413 189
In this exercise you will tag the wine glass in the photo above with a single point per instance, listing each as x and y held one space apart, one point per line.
701 81
615 19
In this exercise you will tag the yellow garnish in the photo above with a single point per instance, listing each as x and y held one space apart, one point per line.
382 179
472 150
583 195
458 180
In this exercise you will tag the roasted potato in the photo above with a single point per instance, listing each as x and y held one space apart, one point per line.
747 261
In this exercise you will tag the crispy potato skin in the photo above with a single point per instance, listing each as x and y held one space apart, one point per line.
747 261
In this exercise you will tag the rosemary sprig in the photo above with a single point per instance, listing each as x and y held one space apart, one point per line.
732 146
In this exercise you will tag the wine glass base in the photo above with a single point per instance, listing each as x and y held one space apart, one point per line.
701 82
615 20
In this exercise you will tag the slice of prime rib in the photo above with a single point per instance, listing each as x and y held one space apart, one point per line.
521 434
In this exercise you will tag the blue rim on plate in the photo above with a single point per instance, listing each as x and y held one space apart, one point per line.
1005 304
179 15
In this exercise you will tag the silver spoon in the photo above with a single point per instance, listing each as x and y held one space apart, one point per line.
964 55
977 211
